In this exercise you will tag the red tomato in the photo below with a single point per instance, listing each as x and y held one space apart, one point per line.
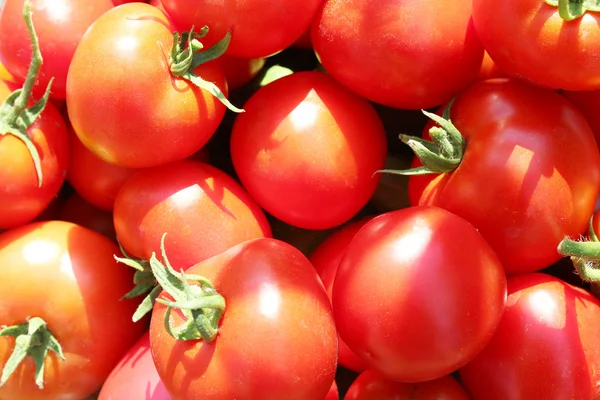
489 69
276 339
410 301
545 348
66 275
78 211
135 376
21 200
124 103
529 40
530 174
326 258
371 385
404 54
59 26
204 211
260 28
587 102
307 150
240 71
97 181
333 393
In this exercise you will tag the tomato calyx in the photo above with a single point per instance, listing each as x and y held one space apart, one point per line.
201 305
442 154
15 116
573 9
32 338
186 55
144 284
585 255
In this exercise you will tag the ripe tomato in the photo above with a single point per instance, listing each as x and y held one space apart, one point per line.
371 385
21 199
333 393
97 181
587 102
307 149
530 174
260 28
124 103
4 74
135 376
489 69
66 275
529 40
59 26
78 211
276 339
410 301
203 210
326 259
545 348
239 71
404 54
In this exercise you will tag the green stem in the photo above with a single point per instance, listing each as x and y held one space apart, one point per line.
569 10
201 305
15 117
579 249
587 270
32 338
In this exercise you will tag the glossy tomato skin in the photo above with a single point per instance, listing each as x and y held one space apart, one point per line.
65 274
135 376
203 210
529 40
124 103
21 200
410 301
96 180
277 338
545 348
59 26
333 393
260 28
530 151
307 150
371 385
77 210
587 102
239 71
403 54
326 258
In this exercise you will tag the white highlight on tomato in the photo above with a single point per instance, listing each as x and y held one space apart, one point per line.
40 251
306 113
547 310
269 300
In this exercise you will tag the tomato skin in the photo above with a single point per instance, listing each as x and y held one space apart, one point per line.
529 150
277 338
427 50
326 258
260 28
545 348
203 210
307 150
489 69
135 376
529 40
78 211
65 274
587 102
124 103
21 200
240 71
333 393
97 181
410 301
371 385
59 26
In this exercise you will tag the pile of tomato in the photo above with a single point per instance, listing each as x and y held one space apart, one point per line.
299 200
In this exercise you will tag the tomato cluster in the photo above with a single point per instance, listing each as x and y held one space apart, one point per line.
208 200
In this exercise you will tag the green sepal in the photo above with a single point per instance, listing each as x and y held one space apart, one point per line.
573 9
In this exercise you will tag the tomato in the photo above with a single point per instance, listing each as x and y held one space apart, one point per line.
135 376
489 69
410 301
587 102
78 211
545 348
276 338
326 258
371 385
59 26
403 54
21 199
124 103
66 275
240 71
333 393
530 174
307 149
529 40
260 28
97 181
204 211
4 74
